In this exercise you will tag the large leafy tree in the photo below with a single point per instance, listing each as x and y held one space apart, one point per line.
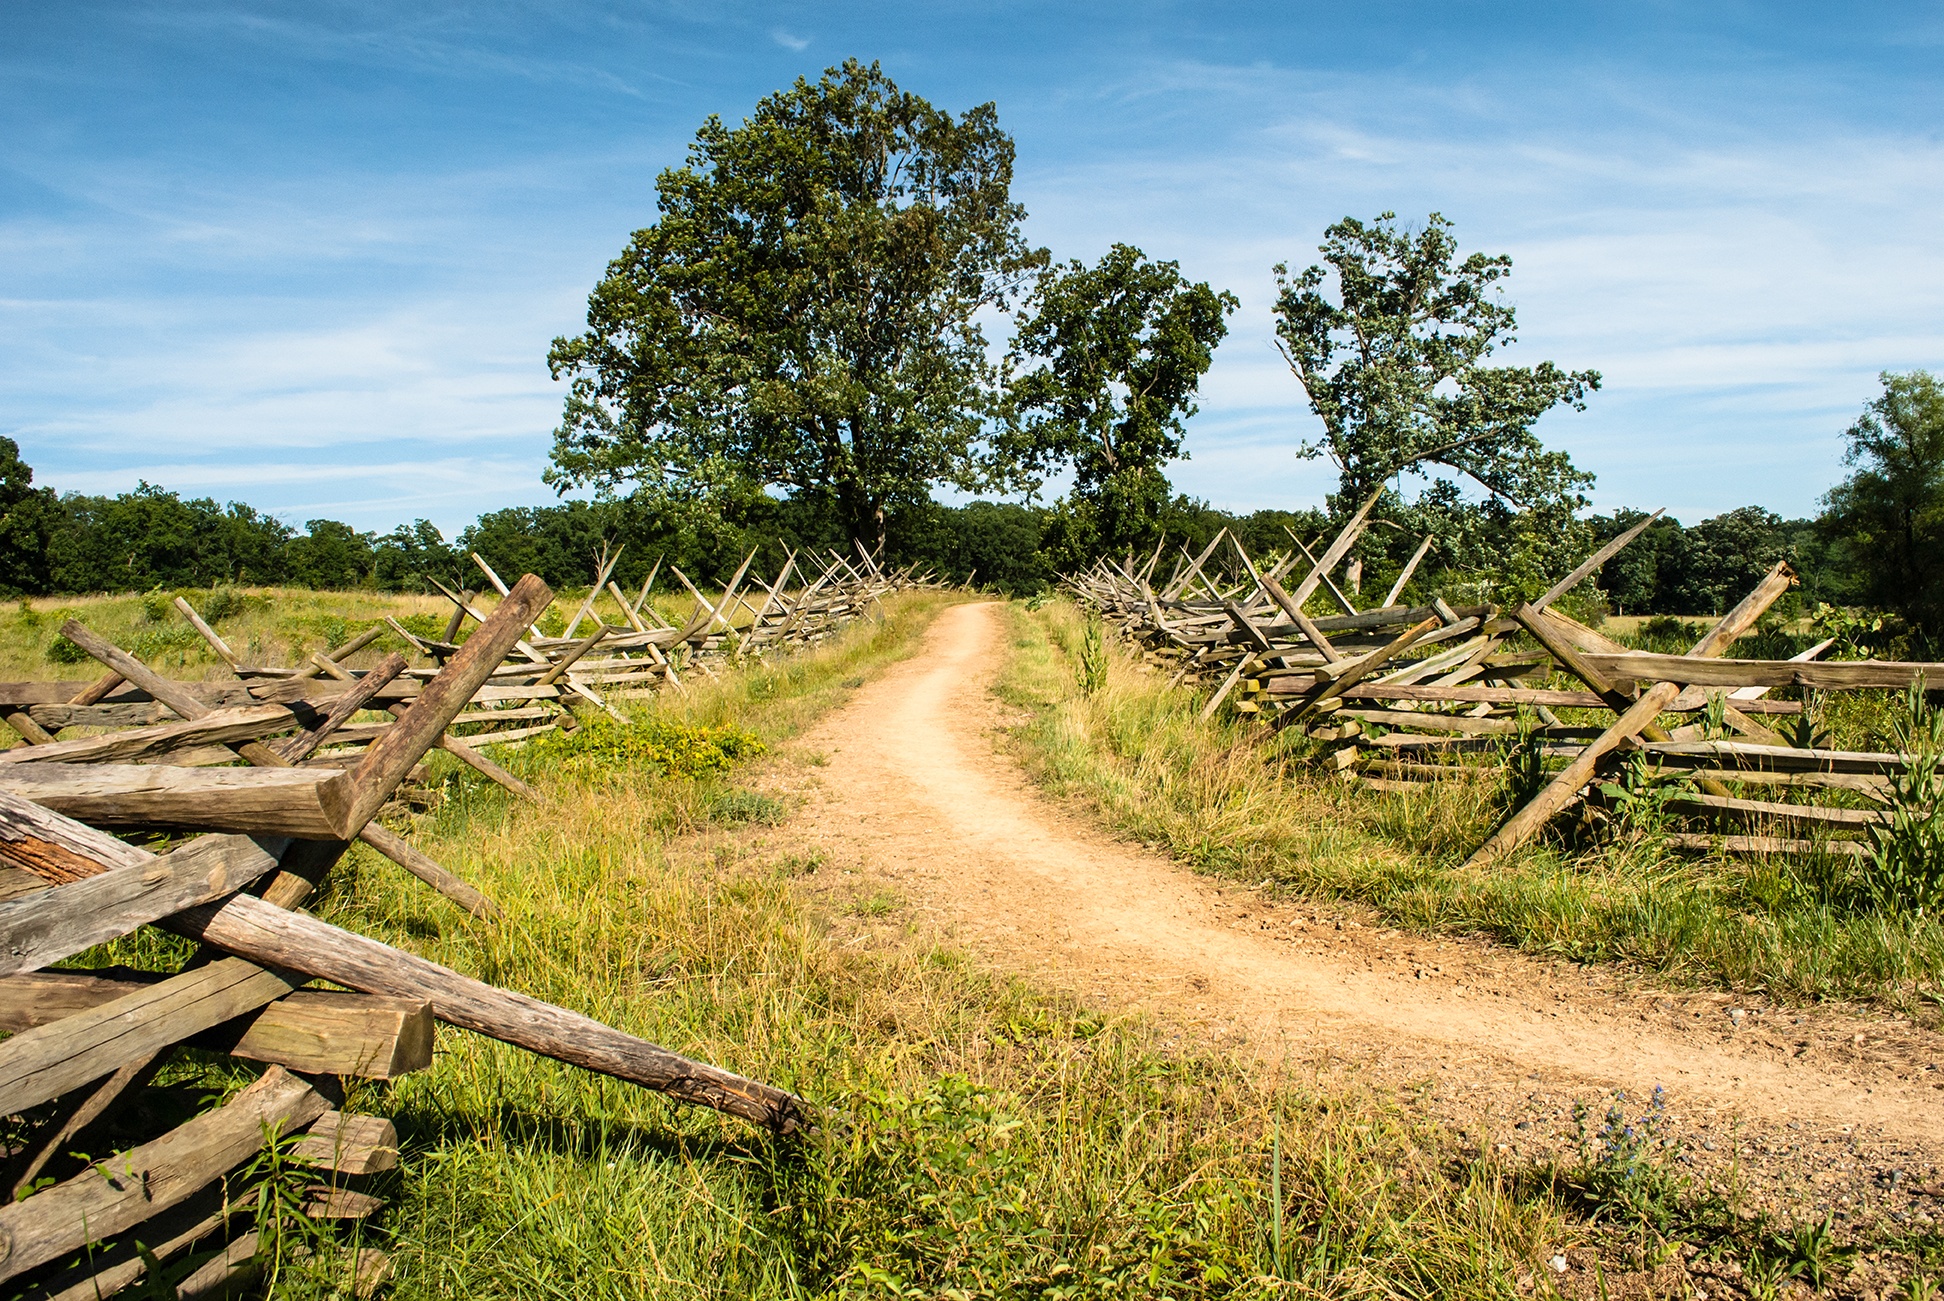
1106 363
804 312
1889 514
1395 365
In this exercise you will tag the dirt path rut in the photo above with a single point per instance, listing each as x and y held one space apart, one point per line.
916 793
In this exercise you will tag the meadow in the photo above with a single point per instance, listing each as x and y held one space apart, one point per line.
979 1136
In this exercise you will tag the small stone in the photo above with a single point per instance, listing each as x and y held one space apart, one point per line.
1558 1264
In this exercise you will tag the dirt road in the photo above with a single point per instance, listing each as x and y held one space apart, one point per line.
918 795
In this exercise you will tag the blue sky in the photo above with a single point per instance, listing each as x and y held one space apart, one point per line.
311 256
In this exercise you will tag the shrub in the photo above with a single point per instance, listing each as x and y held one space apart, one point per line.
1665 633
225 603
63 651
672 749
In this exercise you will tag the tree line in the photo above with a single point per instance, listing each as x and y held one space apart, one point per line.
152 537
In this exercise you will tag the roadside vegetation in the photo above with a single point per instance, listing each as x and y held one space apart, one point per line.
1240 800
981 1139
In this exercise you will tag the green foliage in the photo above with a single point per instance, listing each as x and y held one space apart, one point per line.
153 539
804 312
1705 569
1722 558
27 520
1484 550
1807 1252
669 748
63 651
225 603
401 559
1888 516
999 544
152 536
1805 731
1395 366
1864 634
1522 769
329 555
280 1184
1907 866
1640 797
1666 634
747 806
1105 364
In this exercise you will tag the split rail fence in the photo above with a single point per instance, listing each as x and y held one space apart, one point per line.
1418 694
241 848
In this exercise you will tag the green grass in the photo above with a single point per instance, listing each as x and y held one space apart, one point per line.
1237 799
978 1137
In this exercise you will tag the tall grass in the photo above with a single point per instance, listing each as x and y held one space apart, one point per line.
1239 800
978 1137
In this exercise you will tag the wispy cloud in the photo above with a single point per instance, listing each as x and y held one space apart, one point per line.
789 41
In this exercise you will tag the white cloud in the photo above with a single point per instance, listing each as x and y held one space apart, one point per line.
789 41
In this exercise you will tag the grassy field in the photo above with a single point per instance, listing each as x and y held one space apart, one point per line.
1239 800
980 1138
263 625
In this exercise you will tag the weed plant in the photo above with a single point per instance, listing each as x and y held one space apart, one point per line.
1907 874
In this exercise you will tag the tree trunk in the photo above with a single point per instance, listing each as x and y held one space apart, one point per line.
863 517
